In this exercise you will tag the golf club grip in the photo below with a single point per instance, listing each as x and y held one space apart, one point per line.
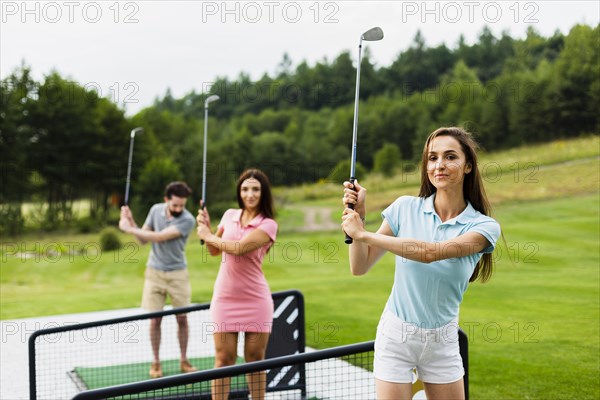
348 239
203 207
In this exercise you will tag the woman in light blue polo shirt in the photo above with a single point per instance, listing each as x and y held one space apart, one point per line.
442 239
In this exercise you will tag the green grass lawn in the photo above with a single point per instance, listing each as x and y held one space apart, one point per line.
534 329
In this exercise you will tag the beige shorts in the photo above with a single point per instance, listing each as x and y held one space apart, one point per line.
160 283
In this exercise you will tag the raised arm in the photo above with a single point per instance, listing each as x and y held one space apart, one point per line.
145 234
203 219
412 249
254 240
363 256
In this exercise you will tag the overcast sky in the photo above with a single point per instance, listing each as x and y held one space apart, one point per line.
133 51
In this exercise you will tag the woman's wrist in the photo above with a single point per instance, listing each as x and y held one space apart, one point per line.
360 237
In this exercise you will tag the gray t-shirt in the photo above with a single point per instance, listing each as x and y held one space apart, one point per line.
169 255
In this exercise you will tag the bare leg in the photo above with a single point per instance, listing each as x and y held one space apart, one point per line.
155 334
445 391
182 334
225 355
393 391
155 337
255 347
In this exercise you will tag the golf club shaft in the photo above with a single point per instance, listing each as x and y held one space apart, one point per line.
204 157
348 239
206 102
128 181
204 161
355 124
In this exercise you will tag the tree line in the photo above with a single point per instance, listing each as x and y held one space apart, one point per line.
61 142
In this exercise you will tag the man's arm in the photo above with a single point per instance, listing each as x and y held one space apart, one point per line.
127 223
145 234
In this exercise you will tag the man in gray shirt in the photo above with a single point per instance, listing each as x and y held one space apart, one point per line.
167 227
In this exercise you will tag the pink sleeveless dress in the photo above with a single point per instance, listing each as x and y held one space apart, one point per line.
242 299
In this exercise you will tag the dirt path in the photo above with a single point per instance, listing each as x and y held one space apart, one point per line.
318 219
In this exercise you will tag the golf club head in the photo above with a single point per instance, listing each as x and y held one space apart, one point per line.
210 99
373 34
137 130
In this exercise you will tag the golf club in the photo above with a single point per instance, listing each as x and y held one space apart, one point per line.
372 35
128 182
208 100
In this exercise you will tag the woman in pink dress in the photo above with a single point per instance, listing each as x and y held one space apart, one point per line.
242 299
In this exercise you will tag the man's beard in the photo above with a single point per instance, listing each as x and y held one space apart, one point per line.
176 214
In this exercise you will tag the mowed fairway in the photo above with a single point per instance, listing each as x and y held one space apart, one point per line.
534 329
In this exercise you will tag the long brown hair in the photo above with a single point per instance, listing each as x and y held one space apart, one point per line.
265 205
473 189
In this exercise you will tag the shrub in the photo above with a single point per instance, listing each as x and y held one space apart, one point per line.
87 225
109 239
387 159
341 172
12 219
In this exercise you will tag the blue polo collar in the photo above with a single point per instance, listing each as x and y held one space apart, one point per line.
468 214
